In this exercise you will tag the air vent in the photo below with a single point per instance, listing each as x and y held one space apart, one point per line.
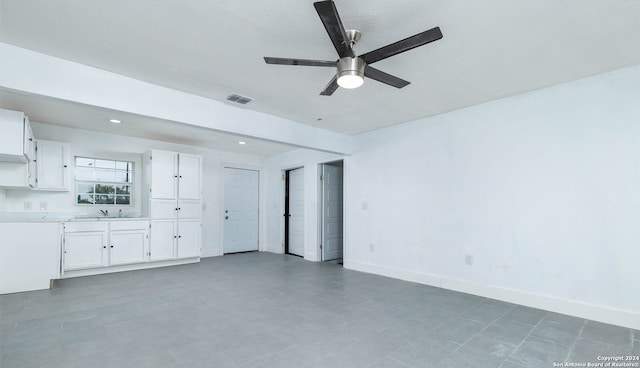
239 99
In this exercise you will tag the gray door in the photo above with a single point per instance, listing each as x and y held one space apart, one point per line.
240 210
332 217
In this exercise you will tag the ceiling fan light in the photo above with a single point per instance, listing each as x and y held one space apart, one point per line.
350 81
350 72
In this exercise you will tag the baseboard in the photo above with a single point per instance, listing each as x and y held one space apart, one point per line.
210 253
553 304
123 268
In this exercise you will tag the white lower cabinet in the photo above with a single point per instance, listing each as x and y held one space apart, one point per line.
175 229
95 244
189 238
85 249
174 239
163 240
127 246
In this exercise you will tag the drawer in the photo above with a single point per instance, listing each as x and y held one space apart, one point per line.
76 227
129 225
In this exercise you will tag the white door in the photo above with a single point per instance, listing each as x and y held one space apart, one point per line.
164 174
331 212
296 212
162 242
240 210
127 246
189 238
84 250
189 177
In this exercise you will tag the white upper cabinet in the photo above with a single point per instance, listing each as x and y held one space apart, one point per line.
164 174
16 138
174 175
52 165
189 170
29 144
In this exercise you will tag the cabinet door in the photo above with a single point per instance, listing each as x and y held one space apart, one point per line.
12 137
162 240
189 176
29 146
84 250
163 209
51 165
190 209
189 238
127 246
31 165
164 174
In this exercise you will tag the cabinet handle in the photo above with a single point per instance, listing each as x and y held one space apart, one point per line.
180 175
112 246
64 166
179 236
30 139
104 246
175 176
175 237
179 208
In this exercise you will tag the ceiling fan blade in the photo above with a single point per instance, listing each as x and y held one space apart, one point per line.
331 20
407 44
383 77
303 62
330 88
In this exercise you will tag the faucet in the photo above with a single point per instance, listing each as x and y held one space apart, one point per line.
104 212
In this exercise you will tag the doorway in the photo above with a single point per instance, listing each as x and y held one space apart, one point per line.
331 242
294 212
241 210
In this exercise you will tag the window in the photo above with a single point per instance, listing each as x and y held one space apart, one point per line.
103 182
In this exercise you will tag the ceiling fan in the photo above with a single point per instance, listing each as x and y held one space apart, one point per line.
351 68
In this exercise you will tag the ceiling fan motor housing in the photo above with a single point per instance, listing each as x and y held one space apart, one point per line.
350 70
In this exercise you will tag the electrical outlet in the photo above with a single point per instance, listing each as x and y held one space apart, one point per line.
28 206
468 259
372 247
43 206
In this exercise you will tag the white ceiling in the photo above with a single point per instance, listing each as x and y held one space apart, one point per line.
490 49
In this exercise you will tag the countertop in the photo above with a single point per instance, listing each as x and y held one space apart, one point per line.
63 217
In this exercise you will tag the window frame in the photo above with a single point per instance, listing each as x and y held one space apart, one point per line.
131 171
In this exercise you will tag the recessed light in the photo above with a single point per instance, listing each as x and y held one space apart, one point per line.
115 121
242 142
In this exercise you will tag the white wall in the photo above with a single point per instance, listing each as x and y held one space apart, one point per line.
90 143
543 189
275 167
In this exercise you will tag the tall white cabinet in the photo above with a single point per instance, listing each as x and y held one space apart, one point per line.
173 184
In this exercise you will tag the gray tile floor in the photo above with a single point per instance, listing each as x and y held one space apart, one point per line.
267 310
